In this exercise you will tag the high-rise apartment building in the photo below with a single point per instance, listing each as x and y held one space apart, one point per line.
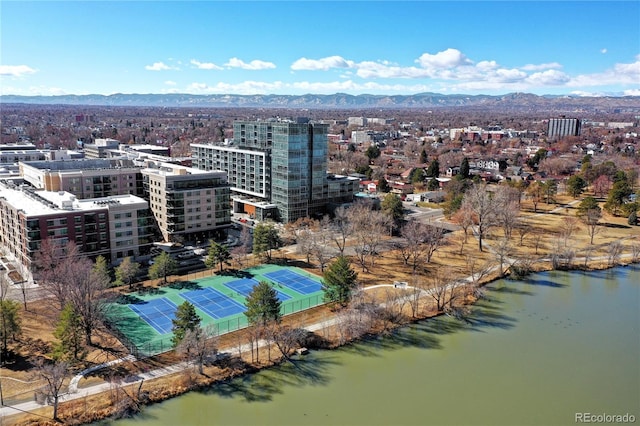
561 127
188 204
276 169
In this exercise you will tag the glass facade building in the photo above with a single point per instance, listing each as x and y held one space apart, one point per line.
281 162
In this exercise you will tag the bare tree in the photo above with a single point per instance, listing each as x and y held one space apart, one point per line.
368 226
614 251
481 203
412 250
320 243
569 226
286 338
199 345
561 255
588 254
341 228
241 251
434 239
635 252
507 199
501 251
54 376
441 290
23 283
4 286
523 227
51 263
87 292
463 218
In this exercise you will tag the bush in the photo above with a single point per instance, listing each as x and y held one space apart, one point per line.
633 219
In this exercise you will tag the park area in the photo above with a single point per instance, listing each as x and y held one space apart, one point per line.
143 319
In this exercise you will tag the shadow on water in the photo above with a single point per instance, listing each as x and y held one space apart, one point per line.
307 371
544 282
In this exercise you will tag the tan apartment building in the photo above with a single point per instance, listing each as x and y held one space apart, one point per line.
188 204
88 178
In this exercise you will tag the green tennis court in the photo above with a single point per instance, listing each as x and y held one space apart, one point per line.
219 300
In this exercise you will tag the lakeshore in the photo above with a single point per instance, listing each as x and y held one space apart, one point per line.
132 385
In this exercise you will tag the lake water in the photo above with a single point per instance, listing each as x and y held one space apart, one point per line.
535 353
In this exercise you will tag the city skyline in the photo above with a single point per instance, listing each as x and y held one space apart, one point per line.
295 48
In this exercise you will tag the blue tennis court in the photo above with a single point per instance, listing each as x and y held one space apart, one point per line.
294 281
245 286
213 302
157 313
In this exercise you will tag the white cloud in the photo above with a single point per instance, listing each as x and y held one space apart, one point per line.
619 74
486 65
369 69
449 58
540 67
322 64
205 65
548 78
16 70
253 65
632 92
603 51
170 83
159 66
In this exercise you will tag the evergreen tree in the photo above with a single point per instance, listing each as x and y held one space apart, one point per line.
372 152
263 305
163 266
576 185
417 176
423 157
433 171
69 332
464 168
265 239
339 282
617 196
186 320
433 184
218 255
392 206
383 185
9 324
633 218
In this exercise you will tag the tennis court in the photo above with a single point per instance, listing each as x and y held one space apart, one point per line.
213 303
157 313
142 319
294 281
245 286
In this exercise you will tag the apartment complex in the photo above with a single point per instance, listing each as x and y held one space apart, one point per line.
561 127
188 204
114 227
276 169
88 178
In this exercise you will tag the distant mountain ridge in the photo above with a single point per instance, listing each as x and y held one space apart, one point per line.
521 101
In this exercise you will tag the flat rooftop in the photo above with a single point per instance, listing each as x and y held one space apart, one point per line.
37 203
84 164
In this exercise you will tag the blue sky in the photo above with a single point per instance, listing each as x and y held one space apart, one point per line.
299 47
